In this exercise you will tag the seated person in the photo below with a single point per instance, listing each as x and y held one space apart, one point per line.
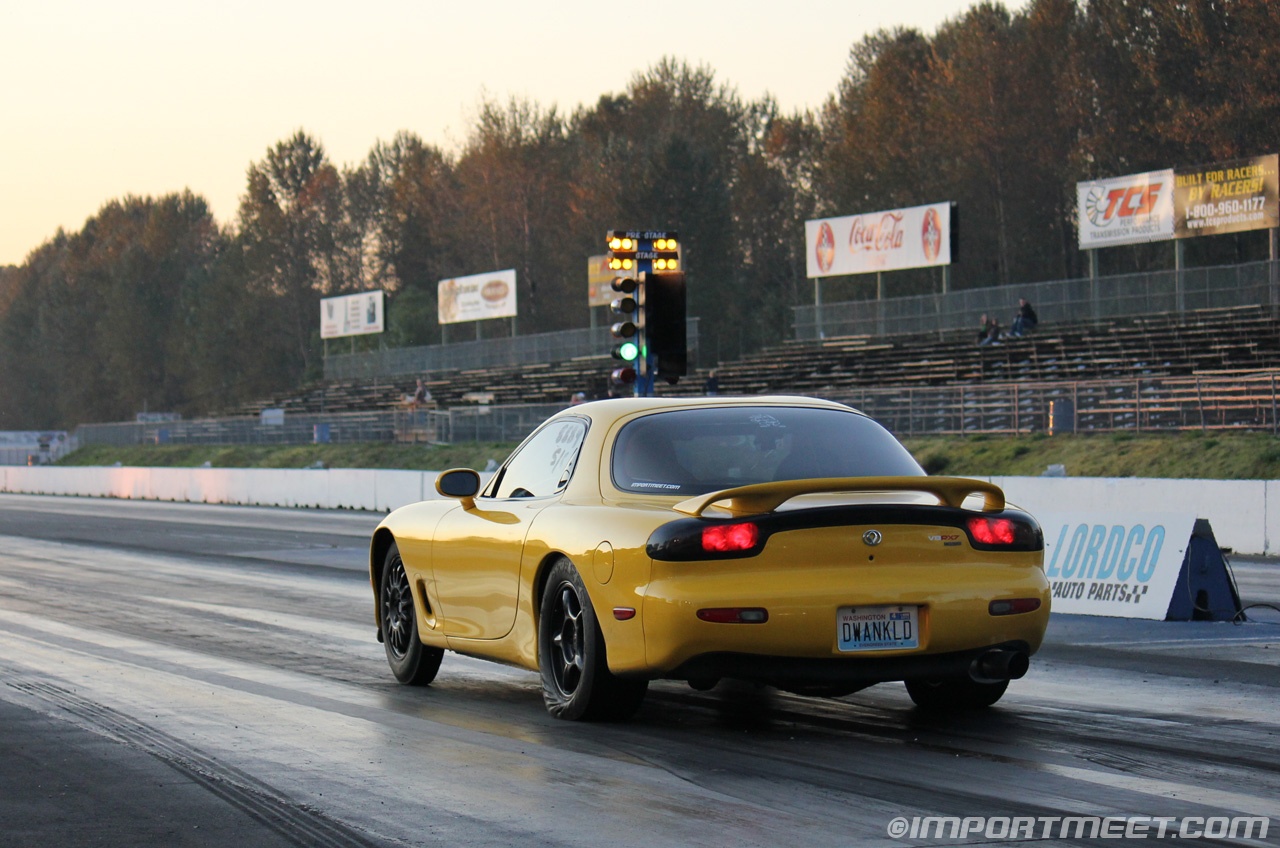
1025 321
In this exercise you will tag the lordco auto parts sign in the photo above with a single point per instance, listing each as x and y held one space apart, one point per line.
1120 565
1125 210
917 237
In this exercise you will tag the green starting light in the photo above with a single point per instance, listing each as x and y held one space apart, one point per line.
627 351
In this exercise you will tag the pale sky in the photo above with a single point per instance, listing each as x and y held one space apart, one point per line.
105 98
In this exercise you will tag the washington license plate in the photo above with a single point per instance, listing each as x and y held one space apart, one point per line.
878 628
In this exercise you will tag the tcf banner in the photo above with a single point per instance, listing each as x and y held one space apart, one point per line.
1116 564
480 296
1227 197
917 237
1125 210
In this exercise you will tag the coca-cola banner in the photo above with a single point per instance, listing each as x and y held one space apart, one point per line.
917 237
475 298
1125 210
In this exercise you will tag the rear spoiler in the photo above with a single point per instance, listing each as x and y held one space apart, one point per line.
766 497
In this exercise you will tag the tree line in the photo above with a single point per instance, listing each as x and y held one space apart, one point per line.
155 305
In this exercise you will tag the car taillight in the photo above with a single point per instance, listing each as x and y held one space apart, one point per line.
721 538
993 531
1014 606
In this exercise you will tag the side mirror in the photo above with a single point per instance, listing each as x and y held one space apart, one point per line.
460 483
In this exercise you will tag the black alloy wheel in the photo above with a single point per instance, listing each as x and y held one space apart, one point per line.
568 645
411 661
576 681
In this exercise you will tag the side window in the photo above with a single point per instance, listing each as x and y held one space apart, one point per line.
544 465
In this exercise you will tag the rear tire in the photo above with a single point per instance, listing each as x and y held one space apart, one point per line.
576 682
954 694
412 662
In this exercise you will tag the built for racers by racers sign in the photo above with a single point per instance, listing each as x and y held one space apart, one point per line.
917 237
1124 566
1227 197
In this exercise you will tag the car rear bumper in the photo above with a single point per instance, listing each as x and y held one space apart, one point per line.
791 672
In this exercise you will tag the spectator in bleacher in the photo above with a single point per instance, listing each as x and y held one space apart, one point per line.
577 398
421 396
988 331
1025 321
711 387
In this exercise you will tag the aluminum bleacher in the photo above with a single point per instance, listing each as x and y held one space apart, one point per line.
1199 348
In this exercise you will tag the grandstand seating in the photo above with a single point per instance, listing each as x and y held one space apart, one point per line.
1205 341
1157 345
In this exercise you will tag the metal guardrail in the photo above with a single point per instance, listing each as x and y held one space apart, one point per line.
487 353
1058 302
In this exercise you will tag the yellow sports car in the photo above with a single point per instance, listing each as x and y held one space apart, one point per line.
787 541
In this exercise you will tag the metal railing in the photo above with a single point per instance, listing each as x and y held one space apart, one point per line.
460 424
561 346
1246 400
1058 301
34 447
1239 401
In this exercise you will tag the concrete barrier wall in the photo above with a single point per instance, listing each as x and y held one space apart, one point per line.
1245 514
336 488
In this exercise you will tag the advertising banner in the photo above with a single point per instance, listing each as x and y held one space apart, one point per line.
600 281
1227 197
477 297
1125 210
351 315
917 237
1120 565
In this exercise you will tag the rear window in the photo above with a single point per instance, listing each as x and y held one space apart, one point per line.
694 451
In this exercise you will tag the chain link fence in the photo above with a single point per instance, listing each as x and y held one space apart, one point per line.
487 353
460 424
1059 301
1244 401
1241 401
30 447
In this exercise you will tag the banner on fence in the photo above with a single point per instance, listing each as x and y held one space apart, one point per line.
1125 210
916 237
351 315
1227 197
600 281
477 297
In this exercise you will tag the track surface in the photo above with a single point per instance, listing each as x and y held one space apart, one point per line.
194 675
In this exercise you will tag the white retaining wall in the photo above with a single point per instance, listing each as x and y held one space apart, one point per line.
1245 514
